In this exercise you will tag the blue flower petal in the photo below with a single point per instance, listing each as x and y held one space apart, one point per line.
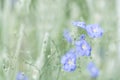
67 36
93 70
21 76
79 24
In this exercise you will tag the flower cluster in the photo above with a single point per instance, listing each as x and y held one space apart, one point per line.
81 47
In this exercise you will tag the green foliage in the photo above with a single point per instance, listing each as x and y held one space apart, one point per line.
31 38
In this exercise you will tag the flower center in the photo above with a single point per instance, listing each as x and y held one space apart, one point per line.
94 30
70 62
84 47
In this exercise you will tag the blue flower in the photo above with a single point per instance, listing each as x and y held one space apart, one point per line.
67 36
93 70
79 24
69 61
21 76
94 31
82 47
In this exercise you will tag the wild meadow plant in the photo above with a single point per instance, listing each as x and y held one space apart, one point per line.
57 40
81 48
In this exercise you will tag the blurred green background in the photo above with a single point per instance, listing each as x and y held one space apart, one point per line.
31 38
